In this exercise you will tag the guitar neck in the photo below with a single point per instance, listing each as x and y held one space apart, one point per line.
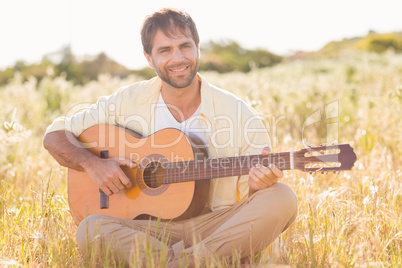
223 167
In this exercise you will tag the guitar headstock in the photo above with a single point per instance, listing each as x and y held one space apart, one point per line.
325 158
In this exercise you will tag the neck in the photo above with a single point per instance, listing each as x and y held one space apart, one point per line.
182 102
223 167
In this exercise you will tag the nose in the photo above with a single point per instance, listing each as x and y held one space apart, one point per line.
177 55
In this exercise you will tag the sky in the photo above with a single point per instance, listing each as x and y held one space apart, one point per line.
31 29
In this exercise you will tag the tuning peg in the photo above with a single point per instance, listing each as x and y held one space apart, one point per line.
324 172
335 143
323 144
336 172
312 173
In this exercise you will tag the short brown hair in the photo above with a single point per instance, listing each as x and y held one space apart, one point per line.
164 20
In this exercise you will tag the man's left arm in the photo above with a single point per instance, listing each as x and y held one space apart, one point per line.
255 138
261 177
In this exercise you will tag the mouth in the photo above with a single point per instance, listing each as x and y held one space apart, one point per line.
177 70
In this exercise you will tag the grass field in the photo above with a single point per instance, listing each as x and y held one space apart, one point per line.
352 219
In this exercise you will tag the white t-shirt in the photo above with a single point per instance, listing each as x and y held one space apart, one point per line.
191 127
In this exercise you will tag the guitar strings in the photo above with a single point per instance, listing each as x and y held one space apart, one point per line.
189 170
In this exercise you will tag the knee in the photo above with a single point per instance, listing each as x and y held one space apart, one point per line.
286 193
87 230
279 197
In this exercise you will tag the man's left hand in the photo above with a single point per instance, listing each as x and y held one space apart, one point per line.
261 177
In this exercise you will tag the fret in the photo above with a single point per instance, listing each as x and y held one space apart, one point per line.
225 168
235 162
212 168
180 172
172 173
190 173
228 164
201 166
274 160
265 161
170 177
183 171
291 160
192 163
175 173
230 168
205 168
194 170
208 169
167 179
187 169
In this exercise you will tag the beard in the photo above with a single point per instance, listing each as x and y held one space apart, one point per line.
180 81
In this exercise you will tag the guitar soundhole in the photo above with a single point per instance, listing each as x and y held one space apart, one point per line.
154 174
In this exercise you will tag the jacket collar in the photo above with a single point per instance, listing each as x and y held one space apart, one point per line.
207 108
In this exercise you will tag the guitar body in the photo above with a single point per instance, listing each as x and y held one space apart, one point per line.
148 196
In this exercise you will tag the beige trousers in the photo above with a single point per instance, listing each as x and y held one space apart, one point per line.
247 227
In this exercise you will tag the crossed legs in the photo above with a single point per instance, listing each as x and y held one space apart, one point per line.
247 227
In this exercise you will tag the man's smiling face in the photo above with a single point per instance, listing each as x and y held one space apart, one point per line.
174 58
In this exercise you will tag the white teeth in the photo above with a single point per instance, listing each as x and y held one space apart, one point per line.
179 70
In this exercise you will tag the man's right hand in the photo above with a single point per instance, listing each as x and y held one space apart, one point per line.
107 173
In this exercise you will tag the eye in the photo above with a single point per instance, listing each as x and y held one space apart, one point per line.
186 45
164 50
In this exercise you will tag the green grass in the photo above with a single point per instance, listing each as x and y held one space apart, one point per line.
348 220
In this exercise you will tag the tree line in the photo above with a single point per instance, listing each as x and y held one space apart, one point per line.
224 56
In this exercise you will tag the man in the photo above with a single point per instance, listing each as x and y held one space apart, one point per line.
245 213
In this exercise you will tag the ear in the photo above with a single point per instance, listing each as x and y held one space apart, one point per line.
148 57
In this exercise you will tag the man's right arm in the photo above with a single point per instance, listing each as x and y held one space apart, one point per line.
68 152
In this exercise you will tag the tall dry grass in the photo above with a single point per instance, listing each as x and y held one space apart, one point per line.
348 220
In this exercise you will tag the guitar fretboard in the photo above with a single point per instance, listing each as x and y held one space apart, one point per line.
222 167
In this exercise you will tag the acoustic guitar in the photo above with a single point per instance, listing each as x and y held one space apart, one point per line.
171 178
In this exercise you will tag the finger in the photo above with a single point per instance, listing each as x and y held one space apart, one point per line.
106 190
117 182
255 181
276 171
266 151
120 179
265 175
251 183
125 162
263 169
113 188
124 181
254 171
